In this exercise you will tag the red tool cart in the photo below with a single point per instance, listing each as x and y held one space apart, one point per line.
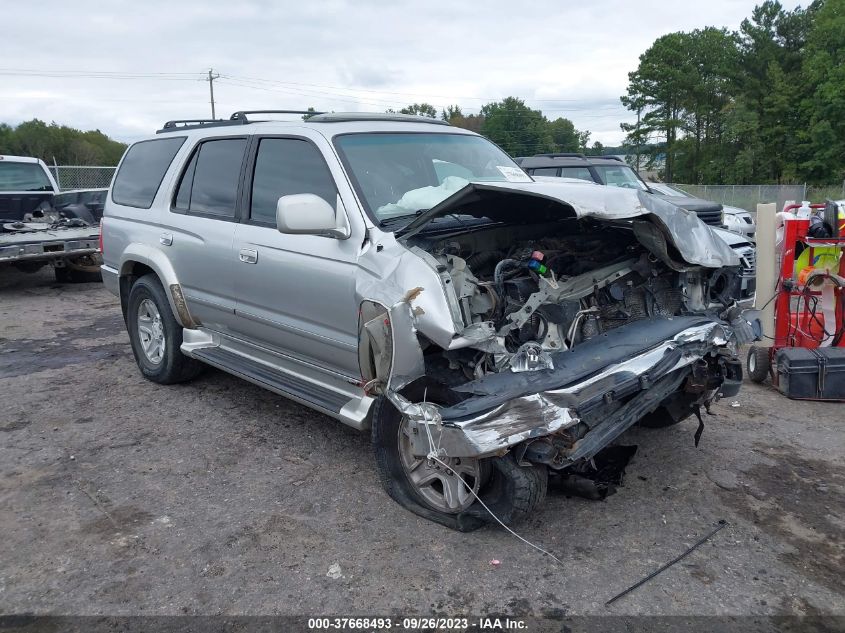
807 357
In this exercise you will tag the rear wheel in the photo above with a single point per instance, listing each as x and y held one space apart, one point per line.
156 335
758 363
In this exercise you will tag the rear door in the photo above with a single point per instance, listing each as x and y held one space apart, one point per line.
198 233
296 293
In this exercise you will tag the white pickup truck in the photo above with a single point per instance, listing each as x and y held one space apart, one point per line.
39 228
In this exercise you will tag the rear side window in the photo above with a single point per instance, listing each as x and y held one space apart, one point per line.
285 166
577 172
544 171
209 185
142 171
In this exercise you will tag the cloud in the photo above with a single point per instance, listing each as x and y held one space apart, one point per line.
568 59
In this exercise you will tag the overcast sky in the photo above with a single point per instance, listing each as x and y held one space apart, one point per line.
566 58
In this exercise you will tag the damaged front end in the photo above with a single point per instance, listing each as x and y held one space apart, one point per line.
575 313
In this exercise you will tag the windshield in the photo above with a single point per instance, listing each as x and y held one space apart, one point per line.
23 177
399 174
620 176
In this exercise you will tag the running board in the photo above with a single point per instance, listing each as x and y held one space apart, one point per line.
302 391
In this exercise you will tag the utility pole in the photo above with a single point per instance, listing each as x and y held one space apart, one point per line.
211 78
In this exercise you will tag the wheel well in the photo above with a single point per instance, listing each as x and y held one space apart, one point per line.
132 272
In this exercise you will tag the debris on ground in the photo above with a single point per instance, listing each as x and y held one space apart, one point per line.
600 478
335 571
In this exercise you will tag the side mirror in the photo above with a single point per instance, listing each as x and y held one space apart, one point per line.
308 214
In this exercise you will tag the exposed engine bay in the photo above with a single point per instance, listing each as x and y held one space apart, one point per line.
545 290
526 328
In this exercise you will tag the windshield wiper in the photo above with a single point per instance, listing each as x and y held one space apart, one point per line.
404 216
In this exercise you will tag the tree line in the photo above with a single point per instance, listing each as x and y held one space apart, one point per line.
60 144
764 104
515 127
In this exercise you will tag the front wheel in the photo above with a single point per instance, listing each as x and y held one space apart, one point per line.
156 335
447 491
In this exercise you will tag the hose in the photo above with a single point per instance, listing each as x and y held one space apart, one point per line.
498 273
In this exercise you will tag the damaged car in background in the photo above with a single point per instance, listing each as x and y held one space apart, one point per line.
39 226
507 330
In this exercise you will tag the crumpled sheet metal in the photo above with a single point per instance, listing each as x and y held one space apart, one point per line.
515 421
695 241
523 417
408 363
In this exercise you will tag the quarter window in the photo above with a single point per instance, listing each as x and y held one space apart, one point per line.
209 184
286 166
142 171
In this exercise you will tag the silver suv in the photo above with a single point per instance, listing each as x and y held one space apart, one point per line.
408 278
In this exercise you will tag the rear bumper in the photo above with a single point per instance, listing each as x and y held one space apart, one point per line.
47 250
593 395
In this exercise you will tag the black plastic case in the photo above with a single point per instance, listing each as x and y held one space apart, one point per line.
811 374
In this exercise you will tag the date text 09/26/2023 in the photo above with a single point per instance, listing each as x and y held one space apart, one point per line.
377 624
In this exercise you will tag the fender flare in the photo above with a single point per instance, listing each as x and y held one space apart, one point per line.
153 258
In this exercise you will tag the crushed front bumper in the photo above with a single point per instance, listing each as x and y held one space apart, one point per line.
602 387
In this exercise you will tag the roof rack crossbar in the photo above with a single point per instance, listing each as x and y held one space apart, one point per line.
241 115
192 124
563 155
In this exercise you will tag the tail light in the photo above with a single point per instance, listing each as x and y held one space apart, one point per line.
101 235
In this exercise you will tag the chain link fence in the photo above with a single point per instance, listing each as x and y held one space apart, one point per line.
71 177
749 196
746 196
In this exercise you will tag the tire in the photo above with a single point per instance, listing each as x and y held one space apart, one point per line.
147 297
510 491
69 276
758 363
78 271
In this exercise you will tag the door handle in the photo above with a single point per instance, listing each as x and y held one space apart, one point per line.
248 256
166 239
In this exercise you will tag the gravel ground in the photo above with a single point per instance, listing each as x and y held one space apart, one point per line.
123 497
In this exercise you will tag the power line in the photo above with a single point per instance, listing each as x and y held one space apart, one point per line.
193 76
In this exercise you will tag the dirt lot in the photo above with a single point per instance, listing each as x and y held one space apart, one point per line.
120 496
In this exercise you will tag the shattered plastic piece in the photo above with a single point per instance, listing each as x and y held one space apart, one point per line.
735 404
335 571
531 357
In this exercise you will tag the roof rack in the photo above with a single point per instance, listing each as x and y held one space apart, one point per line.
237 118
240 115
192 124
346 117
562 155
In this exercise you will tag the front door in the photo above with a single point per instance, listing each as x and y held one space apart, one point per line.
295 293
